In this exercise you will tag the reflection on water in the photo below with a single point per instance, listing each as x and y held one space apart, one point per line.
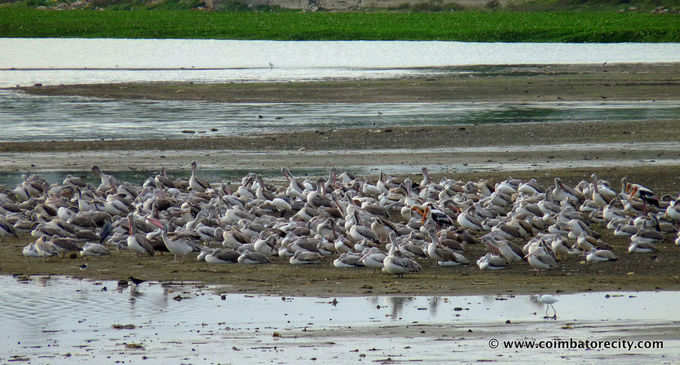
29 118
52 316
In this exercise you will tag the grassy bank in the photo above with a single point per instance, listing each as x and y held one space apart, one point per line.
496 26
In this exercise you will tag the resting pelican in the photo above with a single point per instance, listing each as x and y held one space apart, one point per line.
444 255
491 261
673 210
348 260
541 259
94 249
253 258
303 257
30 250
396 263
222 256
564 192
638 247
373 257
7 229
596 255
295 190
137 241
470 220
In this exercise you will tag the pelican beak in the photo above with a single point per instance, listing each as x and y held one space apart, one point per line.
427 211
155 222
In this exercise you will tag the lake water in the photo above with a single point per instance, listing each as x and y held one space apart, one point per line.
76 118
61 320
66 61
57 61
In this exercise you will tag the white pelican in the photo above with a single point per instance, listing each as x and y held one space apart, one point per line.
639 247
94 249
564 192
30 250
444 255
373 257
253 258
642 192
530 187
499 246
7 229
396 263
598 255
673 210
295 190
222 256
138 242
647 236
195 184
107 182
266 245
304 257
470 220
491 261
45 248
348 260
541 259
177 247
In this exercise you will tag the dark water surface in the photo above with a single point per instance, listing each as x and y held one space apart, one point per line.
40 118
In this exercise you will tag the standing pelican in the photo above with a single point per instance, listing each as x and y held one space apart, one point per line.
195 184
642 192
176 247
107 182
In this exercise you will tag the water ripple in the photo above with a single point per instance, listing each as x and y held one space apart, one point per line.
40 118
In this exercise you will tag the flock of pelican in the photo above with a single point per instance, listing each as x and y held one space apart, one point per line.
390 224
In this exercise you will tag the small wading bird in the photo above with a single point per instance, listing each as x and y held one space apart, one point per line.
135 281
549 302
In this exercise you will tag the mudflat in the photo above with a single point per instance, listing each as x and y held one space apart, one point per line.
636 149
475 83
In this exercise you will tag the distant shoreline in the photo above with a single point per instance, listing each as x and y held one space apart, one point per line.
655 81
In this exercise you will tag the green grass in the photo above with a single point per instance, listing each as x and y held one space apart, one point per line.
484 26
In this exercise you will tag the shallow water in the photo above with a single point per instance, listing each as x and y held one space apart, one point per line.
32 118
67 321
231 165
64 61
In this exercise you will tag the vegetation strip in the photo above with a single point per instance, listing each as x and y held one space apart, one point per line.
479 26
